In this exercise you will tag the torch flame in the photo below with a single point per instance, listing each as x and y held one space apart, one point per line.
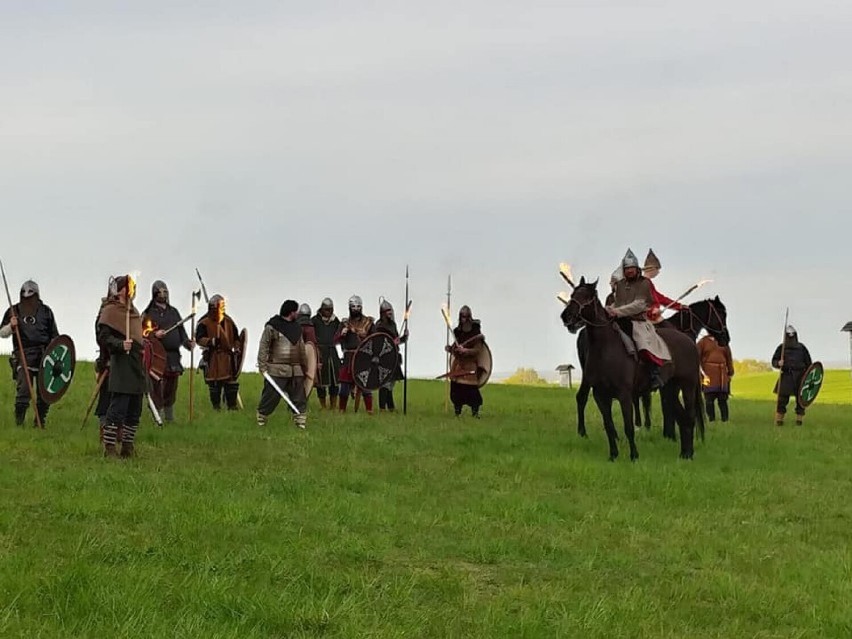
407 313
703 282
131 286
565 269
147 328
446 313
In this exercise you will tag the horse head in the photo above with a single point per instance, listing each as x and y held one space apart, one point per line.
713 316
582 308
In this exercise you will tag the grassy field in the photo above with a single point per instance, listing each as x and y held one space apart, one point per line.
427 526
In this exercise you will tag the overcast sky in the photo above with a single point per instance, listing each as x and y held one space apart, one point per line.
306 149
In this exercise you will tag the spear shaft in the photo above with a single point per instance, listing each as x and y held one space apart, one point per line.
449 299
25 369
405 363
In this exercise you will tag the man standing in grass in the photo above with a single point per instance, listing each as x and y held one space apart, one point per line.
126 371
217 334
387 324
38 327
718 367
163 317
793 359
326 325
352 331
464 373
281 354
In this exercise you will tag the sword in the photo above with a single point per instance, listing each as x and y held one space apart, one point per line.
180 323
455 374
154 412
284 395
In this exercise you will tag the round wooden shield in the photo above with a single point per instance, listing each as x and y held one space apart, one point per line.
312 356
57 369
811 384
154 357
484 365
375 361
240 353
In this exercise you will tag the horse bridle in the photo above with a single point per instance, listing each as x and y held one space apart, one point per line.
706 323
588 302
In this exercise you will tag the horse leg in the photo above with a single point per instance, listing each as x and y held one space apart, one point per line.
626 400
646 405
604 403
669 401
687 423
582 400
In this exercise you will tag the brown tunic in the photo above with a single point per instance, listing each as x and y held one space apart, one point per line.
717 364
221 359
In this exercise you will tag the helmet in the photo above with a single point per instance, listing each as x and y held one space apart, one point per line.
790 330
355 302
385 306
304 309
158 286
29 289
214 301
327 303
630 260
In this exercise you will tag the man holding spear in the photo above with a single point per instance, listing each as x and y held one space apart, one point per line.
464 373
33 324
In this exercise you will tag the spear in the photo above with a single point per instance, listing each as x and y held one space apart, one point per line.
405 363
203 288
783 348
195 296
694 287
446 311
101 378
21 354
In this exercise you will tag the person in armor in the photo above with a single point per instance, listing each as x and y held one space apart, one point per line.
309 333
632 299
217 334
464 373
326 325
352 330
37 325
717 364
651 269
793 359
158 317
127 376
387 324
281 354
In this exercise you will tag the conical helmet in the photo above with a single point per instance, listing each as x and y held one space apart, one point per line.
630 260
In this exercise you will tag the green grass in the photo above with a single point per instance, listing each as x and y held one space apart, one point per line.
425 526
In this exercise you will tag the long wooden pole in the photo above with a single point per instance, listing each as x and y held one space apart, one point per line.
405 363
449 299
195 296
101 377
781 360
25 369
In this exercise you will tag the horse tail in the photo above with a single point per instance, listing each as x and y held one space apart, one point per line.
699 411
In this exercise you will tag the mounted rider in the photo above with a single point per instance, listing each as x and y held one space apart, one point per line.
633 297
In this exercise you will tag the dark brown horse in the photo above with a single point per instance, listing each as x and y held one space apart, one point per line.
613 374
709 314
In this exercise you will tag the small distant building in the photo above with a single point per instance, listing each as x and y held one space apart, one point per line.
848 329
565 377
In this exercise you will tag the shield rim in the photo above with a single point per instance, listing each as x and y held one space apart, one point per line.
370 337
481 379
42 391
810 368
310 380
242 338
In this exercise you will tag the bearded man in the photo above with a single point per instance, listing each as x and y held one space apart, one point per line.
219 338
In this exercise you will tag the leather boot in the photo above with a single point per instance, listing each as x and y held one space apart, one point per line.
779 419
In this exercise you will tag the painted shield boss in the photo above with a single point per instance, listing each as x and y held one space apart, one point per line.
57 369
375 361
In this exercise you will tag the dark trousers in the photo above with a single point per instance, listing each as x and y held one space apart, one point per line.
465 395
386 398
164 391
22 397
227 389
324 391
709 401
293 386
783 400
122 418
